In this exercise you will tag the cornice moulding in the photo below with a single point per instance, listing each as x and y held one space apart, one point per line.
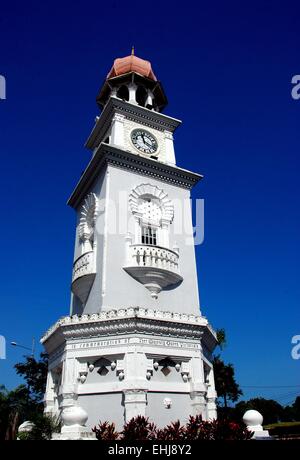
127 321
116 157
132 112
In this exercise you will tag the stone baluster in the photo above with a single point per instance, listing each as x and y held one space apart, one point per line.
147 258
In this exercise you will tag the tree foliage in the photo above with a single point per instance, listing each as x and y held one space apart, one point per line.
296 409
226 385
15 407
34 373
25 401
221 338
272 411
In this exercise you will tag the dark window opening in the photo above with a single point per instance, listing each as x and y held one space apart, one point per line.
149 236
123 93
141 96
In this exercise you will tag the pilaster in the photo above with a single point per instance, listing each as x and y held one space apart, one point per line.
169 146
117 130
135 403
198 403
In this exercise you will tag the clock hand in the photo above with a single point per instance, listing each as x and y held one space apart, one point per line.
144 141
140 140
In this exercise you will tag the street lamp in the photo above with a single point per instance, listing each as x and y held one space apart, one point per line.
15 344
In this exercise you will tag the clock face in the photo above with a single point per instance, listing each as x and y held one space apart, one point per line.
144 141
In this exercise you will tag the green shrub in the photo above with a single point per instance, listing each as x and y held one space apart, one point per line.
43 428
106 432
140 429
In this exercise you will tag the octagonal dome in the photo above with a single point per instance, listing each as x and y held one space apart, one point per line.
131 63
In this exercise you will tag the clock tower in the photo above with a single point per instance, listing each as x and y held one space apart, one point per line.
135 342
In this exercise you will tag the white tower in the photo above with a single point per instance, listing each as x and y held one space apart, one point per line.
135 341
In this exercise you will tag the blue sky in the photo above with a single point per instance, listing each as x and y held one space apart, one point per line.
226 68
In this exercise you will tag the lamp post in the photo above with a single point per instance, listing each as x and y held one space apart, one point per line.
15 344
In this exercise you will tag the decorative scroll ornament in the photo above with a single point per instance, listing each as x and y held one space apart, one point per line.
144 191
84 269
88 215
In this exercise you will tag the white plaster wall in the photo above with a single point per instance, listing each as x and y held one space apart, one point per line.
113 287
120 290
180 409
108 406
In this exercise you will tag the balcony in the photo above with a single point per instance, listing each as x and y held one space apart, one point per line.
84 273
157 268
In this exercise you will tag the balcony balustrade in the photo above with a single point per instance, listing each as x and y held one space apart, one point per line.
84 272
154 266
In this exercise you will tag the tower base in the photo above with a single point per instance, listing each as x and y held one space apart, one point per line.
118 364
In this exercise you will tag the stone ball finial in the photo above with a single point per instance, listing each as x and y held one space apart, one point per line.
253 418
25 427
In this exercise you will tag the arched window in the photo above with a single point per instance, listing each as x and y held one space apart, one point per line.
123 93
153 212
141 96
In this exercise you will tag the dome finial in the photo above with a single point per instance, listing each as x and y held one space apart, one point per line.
132 51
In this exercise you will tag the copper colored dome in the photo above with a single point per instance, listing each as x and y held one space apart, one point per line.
131 63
